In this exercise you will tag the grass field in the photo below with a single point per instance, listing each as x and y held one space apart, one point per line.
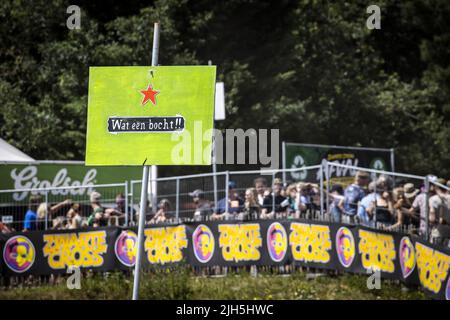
181 284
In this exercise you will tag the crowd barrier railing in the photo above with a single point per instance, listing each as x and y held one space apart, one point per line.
14 203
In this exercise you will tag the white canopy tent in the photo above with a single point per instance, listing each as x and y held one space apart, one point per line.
8 153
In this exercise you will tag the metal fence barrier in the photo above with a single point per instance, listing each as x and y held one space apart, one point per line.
394 208
53 204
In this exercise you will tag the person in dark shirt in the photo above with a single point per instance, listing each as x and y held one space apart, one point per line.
272 203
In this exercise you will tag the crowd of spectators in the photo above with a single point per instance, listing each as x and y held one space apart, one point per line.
378 203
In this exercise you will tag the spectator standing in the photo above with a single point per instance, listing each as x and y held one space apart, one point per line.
162 213
30 221
336 197
235 204
96 219
272 202
260 186
252 208
203 208
439 210
353 194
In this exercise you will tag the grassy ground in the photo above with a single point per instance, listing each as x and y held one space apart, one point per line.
181 284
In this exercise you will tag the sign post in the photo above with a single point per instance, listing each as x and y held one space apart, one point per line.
148 116
145 175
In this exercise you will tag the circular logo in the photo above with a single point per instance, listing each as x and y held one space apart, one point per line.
298 162
19 253
126 248
407 257
378 164
203 243
345 246
277 241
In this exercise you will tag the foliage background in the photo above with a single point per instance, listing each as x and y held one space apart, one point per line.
309 67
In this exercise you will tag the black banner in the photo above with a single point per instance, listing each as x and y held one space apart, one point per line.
323 245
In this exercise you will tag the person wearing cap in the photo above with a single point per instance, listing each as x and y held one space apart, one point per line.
418 207
235 204
269 210
354 193
202 206
439 209
96 217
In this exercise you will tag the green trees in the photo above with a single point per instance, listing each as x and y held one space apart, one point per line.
310 68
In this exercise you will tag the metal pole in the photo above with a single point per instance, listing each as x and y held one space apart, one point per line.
427 208
214 167
283 155
375 208
227 180
273 194
131 201
327 177
145 176
126 204
393 163
46 212
177 212
321 192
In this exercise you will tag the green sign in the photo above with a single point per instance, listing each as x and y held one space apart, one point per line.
53 175
303 155
150 115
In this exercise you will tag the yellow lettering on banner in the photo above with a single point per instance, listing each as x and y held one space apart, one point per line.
377 251
240 242
310 242
83 249
433 267
164 245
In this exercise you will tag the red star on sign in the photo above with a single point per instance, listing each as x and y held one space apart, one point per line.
149 94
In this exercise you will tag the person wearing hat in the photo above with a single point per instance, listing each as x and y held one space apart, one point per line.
439 209
202 206
96 217
235 204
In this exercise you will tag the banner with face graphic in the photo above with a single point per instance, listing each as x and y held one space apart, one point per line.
334 246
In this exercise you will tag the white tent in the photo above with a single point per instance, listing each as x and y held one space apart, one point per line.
10 153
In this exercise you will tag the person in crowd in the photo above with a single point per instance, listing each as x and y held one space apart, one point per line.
30 221
403 201
44 210
74 218
353 194
418 207
113 215
367 202
260 186
382 209
96 219
290 202
385 182
336 197
203 208
162 215
272 203
305 199
439 210
235 204
5 228
252 208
